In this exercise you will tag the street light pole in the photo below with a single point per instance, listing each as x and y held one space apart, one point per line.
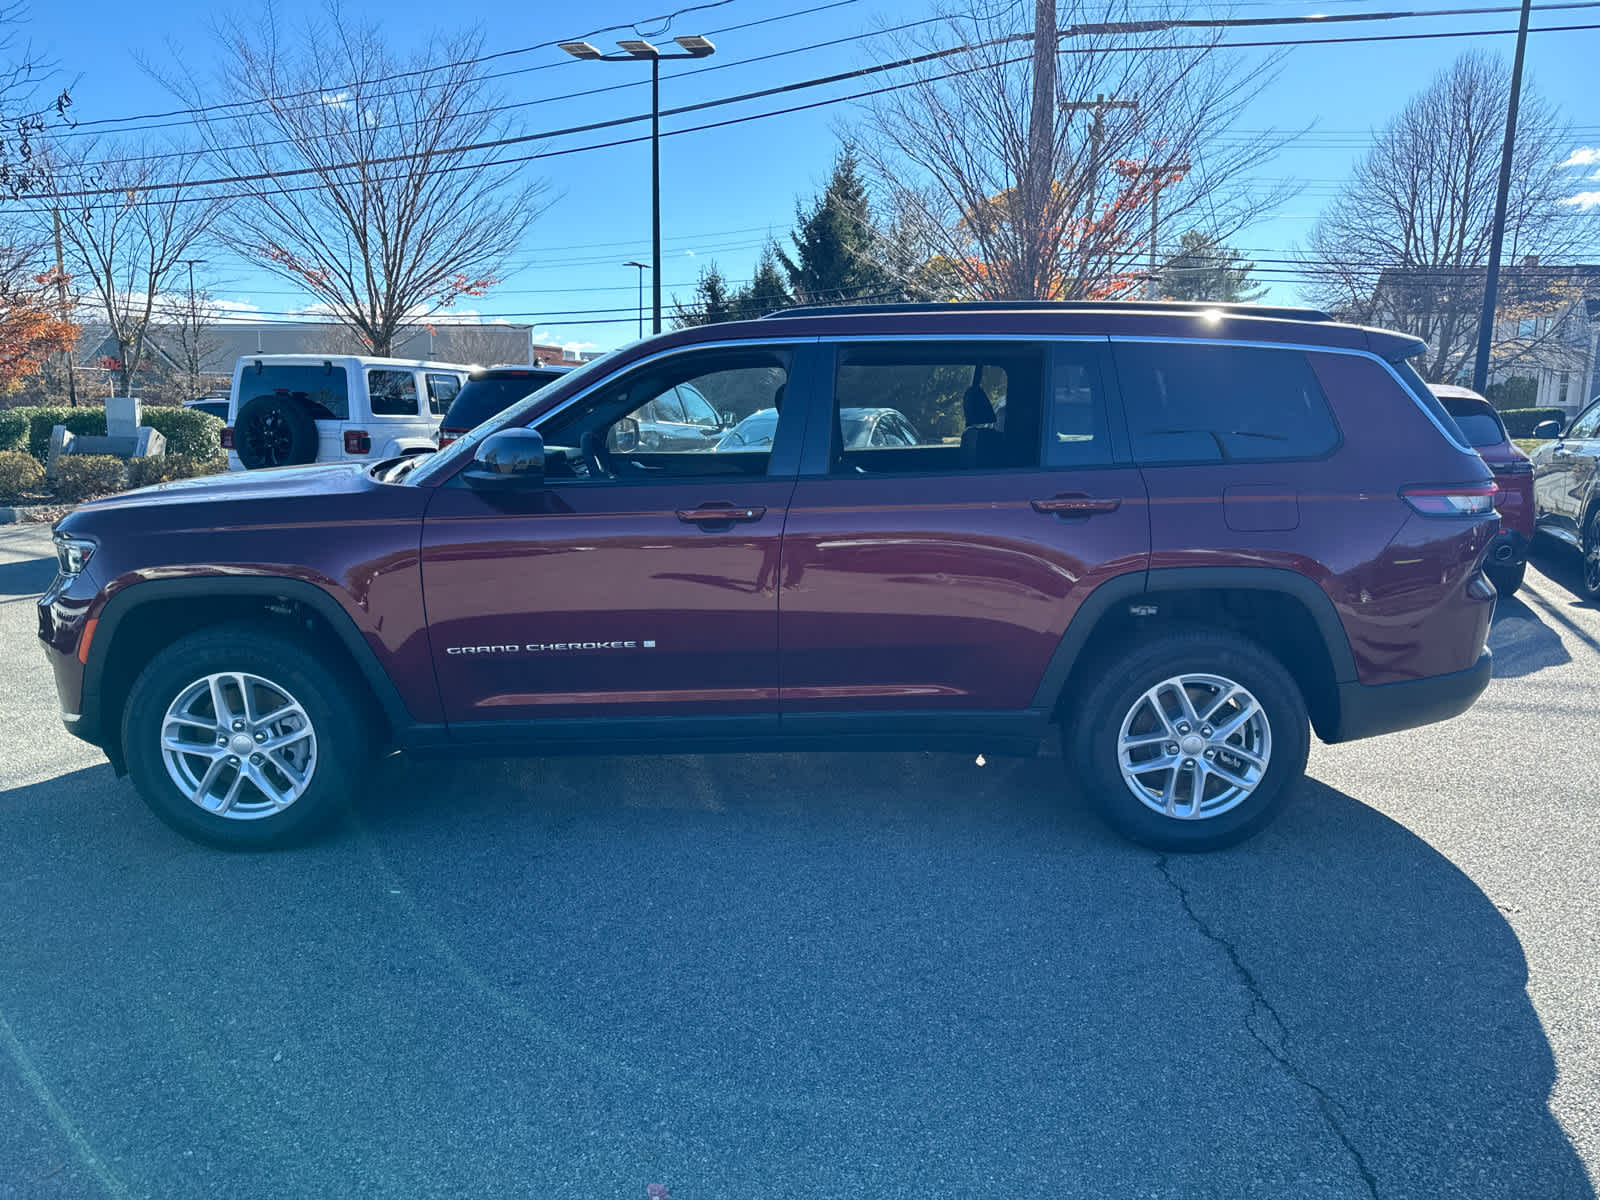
192 353
643 267
634 49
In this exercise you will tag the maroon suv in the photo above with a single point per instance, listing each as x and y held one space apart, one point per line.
1182 535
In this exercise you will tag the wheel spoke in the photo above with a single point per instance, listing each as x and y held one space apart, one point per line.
244 699
284 739
1222 699
1197 787
203 788
208 750
219 703
1186 704
1167 762
1169 795
1227 730
292 772
280 799
231 794
1229 777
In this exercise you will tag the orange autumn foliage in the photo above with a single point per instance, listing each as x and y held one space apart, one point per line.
31 325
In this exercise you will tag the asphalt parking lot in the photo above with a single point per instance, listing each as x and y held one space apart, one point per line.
817 976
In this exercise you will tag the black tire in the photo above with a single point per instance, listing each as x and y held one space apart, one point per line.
1589 577
1092 730
275 431
337 753
1506 579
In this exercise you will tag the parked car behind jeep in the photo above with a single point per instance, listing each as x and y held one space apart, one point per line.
488 392
1198 534
1566 489
289 409
1480 423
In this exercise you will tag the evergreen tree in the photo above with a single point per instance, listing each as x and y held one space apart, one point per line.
712 302
835 242
1205 269
766 292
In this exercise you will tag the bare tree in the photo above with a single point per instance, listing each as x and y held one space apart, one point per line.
960 154
1406 243
192 319
382 245
125 250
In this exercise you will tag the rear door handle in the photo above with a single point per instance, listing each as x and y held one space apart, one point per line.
1077 505
720 513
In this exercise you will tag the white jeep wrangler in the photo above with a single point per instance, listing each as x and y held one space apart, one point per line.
286 409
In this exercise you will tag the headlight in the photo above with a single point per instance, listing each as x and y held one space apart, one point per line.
73 553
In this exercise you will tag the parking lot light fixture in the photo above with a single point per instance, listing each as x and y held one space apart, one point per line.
635 50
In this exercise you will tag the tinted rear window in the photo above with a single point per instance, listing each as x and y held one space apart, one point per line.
480 399
1215 403
1481 429
323 387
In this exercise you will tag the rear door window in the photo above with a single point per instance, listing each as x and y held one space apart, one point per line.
321 386
1205 402
393 392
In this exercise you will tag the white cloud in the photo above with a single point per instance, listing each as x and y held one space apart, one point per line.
1584 200
1596 175
338 101
1584 156
690 253
573 349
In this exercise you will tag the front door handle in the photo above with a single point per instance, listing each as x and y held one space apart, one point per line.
1076 504
720 514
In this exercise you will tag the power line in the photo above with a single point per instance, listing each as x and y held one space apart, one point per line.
839 77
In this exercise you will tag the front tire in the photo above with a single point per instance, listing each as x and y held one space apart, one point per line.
1191 741
241 739
1591 555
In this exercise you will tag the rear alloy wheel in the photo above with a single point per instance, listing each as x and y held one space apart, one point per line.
1591 555
242 739
1190 742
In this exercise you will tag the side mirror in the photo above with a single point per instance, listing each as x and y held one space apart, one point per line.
511 460
624 436
1547 430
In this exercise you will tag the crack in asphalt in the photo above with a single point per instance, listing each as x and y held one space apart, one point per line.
1270 1032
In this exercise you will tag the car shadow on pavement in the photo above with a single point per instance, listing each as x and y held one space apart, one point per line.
1521 640
824 975
27 577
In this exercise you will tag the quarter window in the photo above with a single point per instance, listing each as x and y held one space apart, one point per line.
441 390
393 393
1586 424
1204 402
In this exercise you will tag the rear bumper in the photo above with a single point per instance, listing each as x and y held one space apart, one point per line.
1387 708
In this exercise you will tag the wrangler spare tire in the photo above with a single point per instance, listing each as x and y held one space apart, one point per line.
275 431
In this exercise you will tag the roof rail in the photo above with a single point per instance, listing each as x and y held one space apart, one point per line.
1282 312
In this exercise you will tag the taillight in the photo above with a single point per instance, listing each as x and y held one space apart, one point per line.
1455 500
226 437
357 441
446 438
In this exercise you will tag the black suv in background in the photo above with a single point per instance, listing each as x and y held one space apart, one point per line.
491 390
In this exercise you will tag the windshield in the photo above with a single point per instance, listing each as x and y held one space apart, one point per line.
482 399
1480 428
445 462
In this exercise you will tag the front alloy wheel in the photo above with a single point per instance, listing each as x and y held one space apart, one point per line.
1591 556
245 738
239 746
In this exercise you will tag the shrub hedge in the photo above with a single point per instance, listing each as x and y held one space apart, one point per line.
187 430
142 472
20 474
84 476
1520 421
14 431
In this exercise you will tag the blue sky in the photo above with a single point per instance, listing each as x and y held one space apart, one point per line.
725 189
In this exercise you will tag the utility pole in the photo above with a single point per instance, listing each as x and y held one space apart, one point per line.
66 311
1151 288
643 267
1041 145
1098 107
1480 367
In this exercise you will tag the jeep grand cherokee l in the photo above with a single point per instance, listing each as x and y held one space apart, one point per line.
1197 534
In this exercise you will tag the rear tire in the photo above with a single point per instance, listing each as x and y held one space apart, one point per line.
275 431
242 739
1506 580
1213 705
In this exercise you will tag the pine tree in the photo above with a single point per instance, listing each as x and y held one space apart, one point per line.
712 303
834 260
766 292
1205 269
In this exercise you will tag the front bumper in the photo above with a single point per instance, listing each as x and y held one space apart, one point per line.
1387 708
